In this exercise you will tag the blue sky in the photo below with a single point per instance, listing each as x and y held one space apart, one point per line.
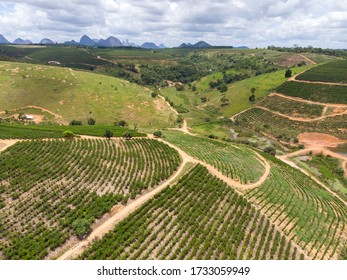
255 23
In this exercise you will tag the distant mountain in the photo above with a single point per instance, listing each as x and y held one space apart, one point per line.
198 45
86 41
110 42
126 43
20 41
46 41
242 47
3 40
149 45
71 43
162 46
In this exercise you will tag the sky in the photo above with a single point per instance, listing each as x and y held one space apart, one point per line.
254 23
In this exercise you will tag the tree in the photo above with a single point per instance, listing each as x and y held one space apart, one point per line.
288 73
127 135
270 150
80 227
74 122
91 121
252 98
122 123
194 88
157 134
253 89
68 134
108 134
223 88
154 94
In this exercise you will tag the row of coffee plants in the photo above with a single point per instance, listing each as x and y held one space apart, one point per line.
315 92
258 118
235 161
335 72
198 218
59 187
291 107
303 210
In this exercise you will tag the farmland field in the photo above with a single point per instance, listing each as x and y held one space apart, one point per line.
236 162
335 72
49 188
257 117
315 92
291 107
303 210
198 218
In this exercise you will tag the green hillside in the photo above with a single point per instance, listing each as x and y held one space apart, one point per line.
79 95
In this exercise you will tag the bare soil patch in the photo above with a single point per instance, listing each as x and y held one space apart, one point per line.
319 139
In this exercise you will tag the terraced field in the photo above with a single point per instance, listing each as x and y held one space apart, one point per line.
315 92
291 107
53 190
198 218
236 162
303 210
257 118
334 72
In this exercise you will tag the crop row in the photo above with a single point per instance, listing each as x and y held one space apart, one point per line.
236 162
48 185
292 107
56 131
257 117
198 218
315 92
335 72
303 210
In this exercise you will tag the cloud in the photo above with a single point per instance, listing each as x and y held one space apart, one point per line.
224 22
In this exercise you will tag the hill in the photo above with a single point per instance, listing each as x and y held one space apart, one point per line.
79 95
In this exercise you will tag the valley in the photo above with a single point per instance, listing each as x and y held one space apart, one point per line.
181 153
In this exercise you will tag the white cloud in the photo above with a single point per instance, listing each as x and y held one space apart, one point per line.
224 22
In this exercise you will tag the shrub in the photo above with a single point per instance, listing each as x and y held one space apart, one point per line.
68 134
270 150
122 123
91 121
157 134
74 122
80 227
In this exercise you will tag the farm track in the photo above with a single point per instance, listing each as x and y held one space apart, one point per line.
307 59
300 119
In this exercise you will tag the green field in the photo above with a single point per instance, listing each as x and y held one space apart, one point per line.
237 94
291 107
80 95
70 184
328 170
315 92
260 119
198 218
303 210
235 161
335 72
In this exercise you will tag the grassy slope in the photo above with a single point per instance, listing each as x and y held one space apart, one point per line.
75 94
238 94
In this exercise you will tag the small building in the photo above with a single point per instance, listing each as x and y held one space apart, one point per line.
52 62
